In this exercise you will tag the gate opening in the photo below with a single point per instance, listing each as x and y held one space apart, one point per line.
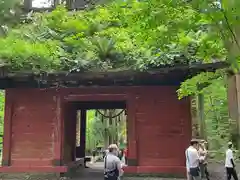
90 127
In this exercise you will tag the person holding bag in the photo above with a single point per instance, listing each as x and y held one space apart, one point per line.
192 161
112 164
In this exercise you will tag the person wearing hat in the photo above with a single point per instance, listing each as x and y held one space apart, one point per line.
229 163
112 164
192 161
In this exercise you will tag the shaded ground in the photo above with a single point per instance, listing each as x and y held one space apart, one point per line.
216 170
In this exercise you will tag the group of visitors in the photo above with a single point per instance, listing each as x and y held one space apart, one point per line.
113 166
196 161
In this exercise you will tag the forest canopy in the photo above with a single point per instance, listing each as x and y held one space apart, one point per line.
115 36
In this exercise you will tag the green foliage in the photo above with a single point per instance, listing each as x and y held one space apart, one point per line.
90 137
96 128
118 35
28 56
199 83
218 127
10 11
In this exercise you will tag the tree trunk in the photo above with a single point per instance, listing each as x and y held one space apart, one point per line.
234 107
69 4
105 122
28 5
194 114
201 116
78 130
117 128
56 3
111 125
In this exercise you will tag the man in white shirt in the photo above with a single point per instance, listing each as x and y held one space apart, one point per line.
229 163
192 161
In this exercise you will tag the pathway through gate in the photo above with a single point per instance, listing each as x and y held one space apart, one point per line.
217 172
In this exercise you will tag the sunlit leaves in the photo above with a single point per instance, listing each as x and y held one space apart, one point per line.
22 54
199 83
143 34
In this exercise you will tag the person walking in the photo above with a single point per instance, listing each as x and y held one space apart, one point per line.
112 164
229 163
94 152
203 160
192 161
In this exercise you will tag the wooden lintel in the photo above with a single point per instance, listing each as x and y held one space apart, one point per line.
96 97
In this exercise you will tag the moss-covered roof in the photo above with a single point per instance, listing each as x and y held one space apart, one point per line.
162 76
118 36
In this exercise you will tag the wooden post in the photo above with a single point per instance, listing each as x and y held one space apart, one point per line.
105 123
78 129
131 132
69 4
28 5
111 125
201 116
56 3
116 124
7 136
73 133
194 123
58 130
83 131
234 105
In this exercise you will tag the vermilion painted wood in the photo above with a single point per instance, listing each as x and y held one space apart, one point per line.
33 124
7 139
159 126
24 169
95 97
69 139
58 129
